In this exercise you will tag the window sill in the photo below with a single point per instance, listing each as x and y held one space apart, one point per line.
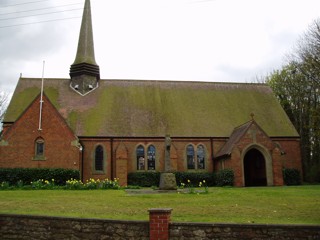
146 170
39 158
98 172
197 170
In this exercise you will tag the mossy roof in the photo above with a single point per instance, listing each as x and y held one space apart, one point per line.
138 108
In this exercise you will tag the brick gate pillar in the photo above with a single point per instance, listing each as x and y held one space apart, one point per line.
159 219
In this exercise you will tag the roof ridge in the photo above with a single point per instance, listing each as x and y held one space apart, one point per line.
186 81
152 80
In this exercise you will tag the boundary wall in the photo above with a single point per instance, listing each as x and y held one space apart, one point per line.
159 227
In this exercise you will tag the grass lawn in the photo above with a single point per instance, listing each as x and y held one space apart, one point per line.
277 205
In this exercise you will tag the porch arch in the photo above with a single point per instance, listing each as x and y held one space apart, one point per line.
257 158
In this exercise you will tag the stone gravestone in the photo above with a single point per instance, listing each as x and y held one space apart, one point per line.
167 178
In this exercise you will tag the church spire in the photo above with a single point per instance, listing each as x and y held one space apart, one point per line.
85 72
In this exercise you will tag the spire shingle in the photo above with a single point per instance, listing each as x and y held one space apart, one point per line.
85 72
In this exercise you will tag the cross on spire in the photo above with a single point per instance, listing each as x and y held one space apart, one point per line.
252 116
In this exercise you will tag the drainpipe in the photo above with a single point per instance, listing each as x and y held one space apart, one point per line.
111 157
81 159
212 157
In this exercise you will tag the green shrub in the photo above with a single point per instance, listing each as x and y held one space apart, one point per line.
224 177
24 176
194 178
291 176
144 179
4 186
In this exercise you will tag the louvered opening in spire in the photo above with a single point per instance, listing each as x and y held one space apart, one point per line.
85 72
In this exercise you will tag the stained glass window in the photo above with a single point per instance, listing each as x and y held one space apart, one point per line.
39 147
151 157
140 158
99 158
200 157
190 157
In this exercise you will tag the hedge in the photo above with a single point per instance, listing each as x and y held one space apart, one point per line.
224 177
195 178
28 175
291 176
149 179
144 179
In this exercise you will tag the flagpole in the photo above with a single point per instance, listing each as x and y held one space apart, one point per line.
41 99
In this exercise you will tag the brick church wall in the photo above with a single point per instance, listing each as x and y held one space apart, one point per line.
17 148
291 153
110 146
178 156
88 166
284 152
181 145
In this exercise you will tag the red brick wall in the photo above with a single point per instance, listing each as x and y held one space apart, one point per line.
18 146
180 145
285 152
292 155
255 135
89 158
159 220
122 164
178 154
179 158
277 167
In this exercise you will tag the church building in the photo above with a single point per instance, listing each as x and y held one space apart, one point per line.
107 128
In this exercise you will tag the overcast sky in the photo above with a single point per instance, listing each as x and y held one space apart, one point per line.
199 40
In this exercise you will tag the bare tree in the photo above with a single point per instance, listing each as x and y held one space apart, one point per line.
4 98
297 86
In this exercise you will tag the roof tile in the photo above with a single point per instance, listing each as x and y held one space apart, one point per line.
155 108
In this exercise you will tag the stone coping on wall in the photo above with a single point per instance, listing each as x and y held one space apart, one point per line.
200 224
233 231
245 225
80 219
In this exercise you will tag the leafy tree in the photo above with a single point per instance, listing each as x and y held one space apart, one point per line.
297 86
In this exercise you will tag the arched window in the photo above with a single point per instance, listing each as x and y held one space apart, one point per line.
190 157
39 147
140 158
151 157
98 159
196 160
200 157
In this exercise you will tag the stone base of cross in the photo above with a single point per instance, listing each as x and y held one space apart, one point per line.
168 181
